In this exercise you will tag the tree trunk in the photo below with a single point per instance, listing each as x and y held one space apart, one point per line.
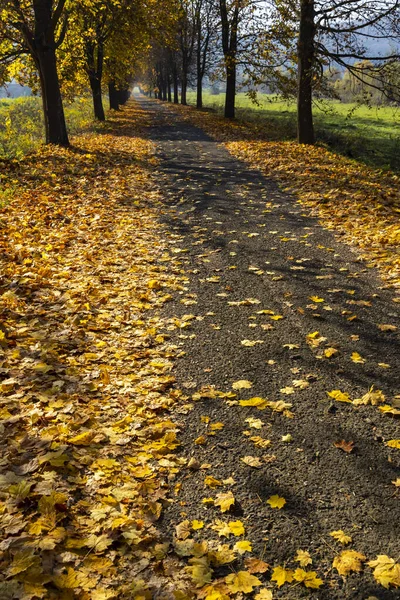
169 88
230 90
176 92
54 119
305 58
94 70
199 96
43 49
95 86
184 89
113 96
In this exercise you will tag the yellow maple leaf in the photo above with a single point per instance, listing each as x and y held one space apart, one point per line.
22 561
348 561
83 439
341 537
223 555
221 528
242 581
216 426
263 594
225 501
211 482
356 358
259 403
316 299
241 384
252 461
309 578
260 442
236 527
276 501
251 343
254 423
201 440
396 482
183 530
329 352
303 557
373 397
385 327
243 546
393 444
386 571
287 390
339 396
197 524
200 571
281 575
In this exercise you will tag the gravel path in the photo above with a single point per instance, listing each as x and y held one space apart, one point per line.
247 247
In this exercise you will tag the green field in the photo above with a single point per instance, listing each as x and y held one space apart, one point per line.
21 123
368 134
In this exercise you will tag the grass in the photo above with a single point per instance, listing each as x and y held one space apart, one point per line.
368 134
22 128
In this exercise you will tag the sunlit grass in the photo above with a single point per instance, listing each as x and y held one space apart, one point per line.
369 134
22 127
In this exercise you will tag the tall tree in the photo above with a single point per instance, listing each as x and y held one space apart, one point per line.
187 38
334 32
205 23
37 28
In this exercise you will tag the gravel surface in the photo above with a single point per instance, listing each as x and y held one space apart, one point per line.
246 246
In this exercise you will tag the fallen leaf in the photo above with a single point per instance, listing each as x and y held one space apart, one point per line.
384 327
252 461
393 444
341 536
339 396
276 501
303 557
259 403
309 578
356 358
211 482
243 546
373 397
242 384
329 352
254 565
281 575
225 501
348 561
242 581
264 594
345 446
386 571
254 423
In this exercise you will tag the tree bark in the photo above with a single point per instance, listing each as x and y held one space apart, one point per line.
43 48
113 96
95 86
176 92
94 67
305 62
199 94
230 91
229 47
184 89
169 88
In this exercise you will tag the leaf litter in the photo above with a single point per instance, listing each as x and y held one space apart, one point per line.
88 386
